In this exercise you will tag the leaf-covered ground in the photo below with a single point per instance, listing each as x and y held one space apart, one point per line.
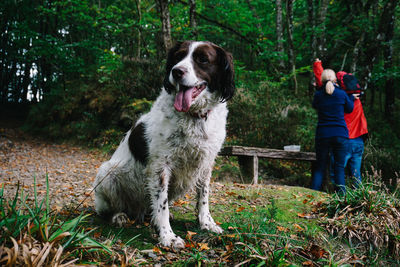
248 214
272 225
70 170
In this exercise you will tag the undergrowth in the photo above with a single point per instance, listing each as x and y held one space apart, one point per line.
368 219
31 234
263 226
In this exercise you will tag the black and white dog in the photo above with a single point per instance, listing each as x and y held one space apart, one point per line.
172 148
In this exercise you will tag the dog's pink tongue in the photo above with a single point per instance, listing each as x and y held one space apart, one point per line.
183 100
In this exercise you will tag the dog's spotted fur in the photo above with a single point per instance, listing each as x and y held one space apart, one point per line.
172 148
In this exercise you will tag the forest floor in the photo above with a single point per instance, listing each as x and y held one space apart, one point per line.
275 225
70 170
27 164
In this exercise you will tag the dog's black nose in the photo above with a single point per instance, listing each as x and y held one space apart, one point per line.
178 73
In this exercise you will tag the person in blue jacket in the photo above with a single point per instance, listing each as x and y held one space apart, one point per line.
332 134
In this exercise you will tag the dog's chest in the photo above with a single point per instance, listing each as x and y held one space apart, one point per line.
184 146
193 150
192 145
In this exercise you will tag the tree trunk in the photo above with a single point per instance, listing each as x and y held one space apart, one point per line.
388 59
356 53
369 64
321 22
26 80
193 20
279 33
44 66
311 21
291 53
4 60
139 36
384 29
165 23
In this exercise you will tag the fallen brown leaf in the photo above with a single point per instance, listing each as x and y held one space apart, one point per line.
189 235
240 209
282 229
203 246
157 250
298 227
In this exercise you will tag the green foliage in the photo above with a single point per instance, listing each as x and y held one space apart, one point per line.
91 60
268 234
88 112
110 63
271 116
382 146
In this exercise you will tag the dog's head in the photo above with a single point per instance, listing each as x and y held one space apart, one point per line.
195 69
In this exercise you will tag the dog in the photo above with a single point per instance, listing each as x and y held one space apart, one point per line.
172 148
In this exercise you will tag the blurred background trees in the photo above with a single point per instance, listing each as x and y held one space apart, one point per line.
86 69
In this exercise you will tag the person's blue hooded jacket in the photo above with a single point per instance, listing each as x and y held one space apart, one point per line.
331 109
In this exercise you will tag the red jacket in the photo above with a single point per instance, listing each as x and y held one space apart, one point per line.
355 121
318 69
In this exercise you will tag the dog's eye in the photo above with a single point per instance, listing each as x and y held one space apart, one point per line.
202 60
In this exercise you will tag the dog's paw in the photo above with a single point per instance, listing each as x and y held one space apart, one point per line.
172 240
211 226
208 223
120 219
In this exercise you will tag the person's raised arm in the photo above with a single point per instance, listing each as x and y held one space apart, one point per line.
318 69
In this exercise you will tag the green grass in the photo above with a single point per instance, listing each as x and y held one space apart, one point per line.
263 226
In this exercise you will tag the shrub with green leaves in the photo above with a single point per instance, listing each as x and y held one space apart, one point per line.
270 115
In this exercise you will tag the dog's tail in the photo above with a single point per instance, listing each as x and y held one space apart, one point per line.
122 154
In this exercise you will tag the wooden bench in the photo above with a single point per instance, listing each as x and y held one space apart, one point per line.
248 158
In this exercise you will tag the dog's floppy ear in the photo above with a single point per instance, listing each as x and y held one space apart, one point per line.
170 63
226 74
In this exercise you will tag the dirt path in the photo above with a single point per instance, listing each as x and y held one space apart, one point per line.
70 170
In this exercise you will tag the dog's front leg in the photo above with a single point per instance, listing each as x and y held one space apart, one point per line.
158 188
205 219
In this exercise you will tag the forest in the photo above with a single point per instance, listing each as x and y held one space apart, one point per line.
85 70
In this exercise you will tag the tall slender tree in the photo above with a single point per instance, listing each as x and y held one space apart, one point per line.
356 53
321 37
163 7
193 19
382 34
279 33
291 52
313 45
254 12
388 59
139 36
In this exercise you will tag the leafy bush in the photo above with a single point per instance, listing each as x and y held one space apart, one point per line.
112 99
270 116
